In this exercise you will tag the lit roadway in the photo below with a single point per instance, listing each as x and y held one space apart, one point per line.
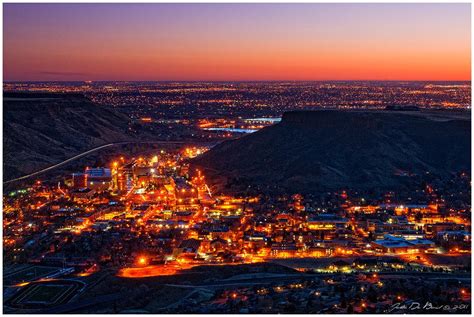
232 284
97 149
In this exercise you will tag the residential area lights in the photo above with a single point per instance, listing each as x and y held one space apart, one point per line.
156 215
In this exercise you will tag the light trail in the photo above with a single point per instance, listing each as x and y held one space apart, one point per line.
75 157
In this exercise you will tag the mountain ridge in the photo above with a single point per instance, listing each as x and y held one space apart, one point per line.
312 151
41 129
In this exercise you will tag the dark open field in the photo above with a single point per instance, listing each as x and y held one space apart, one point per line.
44 294
27 274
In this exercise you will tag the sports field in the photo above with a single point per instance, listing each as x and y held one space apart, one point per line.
27 274
47 293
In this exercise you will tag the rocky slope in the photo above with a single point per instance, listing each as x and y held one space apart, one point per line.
42 129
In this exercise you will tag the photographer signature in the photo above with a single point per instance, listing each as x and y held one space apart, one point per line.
426 306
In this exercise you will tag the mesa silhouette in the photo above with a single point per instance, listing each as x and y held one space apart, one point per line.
318 151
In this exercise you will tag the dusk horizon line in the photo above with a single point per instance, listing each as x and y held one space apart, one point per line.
240 81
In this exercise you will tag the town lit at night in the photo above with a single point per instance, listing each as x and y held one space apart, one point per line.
237 158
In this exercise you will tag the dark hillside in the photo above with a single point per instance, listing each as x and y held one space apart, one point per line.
312 151
42 129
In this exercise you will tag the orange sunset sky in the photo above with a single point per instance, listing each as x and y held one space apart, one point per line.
237 42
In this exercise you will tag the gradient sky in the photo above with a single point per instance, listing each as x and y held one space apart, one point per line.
237 42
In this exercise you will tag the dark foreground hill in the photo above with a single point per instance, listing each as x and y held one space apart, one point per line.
42 129
317 151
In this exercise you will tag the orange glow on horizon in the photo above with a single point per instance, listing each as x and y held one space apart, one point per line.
242 42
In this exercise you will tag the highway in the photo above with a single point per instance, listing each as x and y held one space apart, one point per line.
78 156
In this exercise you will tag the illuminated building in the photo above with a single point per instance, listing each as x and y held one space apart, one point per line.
324 226
432 230
184 193
397 245
284 250
189 246
404 209
98 178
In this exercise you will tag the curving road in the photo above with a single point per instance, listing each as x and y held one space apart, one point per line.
94 150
